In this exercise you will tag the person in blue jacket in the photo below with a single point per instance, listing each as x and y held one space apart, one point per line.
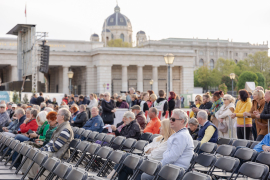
95 123
264 145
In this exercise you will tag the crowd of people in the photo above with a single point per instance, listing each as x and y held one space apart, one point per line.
45 125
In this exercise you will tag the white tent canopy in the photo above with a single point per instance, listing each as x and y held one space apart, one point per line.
250 86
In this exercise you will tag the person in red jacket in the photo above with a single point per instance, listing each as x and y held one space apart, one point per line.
154 124
29 123
65 99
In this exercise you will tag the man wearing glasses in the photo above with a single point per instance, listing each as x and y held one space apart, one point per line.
4 117
180 146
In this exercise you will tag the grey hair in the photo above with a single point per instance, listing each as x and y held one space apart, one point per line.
193 121
20 111
36 107
229 97
66 113
202 114
65 107
42 117
43 104
48 109
181 115
129 114
107 93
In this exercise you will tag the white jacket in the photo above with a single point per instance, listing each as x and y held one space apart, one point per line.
93 103
159 147
224 111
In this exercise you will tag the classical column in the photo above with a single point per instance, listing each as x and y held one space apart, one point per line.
155 78
14 73
90 80
65 80
187 80
104 77
140 78
171 78
124 78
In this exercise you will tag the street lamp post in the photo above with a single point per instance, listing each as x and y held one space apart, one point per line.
151 83
232 76
75 88
169 58
104 85
70 76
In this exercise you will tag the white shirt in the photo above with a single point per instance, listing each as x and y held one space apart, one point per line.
93 103
158 146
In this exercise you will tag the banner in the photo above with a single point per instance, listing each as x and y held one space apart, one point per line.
4 95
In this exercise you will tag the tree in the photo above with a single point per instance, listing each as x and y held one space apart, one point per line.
15 97
223 88
225 66
246 76
118 43
25 99
228 82
261 79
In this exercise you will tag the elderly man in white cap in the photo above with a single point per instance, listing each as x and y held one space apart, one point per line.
4 117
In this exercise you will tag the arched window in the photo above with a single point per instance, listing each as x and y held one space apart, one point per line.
212 64
201 63
112 36
122 37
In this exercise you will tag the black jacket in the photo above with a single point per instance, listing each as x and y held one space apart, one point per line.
194 134
40 99
207 105
171 103
118 104
33 100
80 119
107 107
266 111
85 101
132 130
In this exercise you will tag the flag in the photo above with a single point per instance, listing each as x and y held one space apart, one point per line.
25 10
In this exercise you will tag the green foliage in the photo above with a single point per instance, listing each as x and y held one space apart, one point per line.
225 66
118 43
203 77
25 99
223 88
246 76
15 97
261 79
228 82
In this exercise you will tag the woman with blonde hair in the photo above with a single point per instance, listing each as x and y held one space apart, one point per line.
258 106
198 102
143 104
152 98
222 115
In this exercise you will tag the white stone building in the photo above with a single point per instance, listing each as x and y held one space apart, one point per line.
98 69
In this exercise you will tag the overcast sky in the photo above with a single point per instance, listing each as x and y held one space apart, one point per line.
240 20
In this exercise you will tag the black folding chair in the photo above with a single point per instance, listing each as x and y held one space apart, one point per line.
170 172
225 150
263 158
241 142
11 146
118 141
17 149
146 136
128 144
50 164
75 129
77 173
208 147
92 136
205 161
139 147
153 137
196 176
72 146
79 132
150 167
80 148
85 134
6 143
23 151
253 144
197 145
226 141
29 155
61 171
88 153
108 139
101 137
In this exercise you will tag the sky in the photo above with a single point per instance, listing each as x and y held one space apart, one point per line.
237 20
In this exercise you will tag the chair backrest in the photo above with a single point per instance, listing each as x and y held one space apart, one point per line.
253 144
171 172
150 167
62 169
41 158
3 140
146 136
92 136
222 141
139 145
196 176
77 173
254 170
74 143
206 159
104 152
94 178
245 154
83 145
263 158
80 131
129 143
51 163
101 136
117 156
196 144
14 144
24 150
8 141
133 161
108 138
119 140
32 153
153 137
75 129
19 147
228 164
241 142
86 133
225 150
92 148
208 147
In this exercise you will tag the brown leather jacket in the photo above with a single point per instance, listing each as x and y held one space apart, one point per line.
141 119
261 124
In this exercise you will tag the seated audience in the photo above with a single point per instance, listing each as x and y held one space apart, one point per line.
123 104
59 143
139 116
74 109
208 131
81 117
264 145
43 126
18 120
95 123
4 117
154 123
180 148
36 107
193 128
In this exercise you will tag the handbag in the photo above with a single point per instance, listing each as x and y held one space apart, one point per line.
223 127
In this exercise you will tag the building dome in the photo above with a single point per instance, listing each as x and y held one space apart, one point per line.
140 32
117 19
107 30
95 35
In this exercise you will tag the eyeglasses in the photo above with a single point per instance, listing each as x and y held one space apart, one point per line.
196 100
225 99
2 107
173 119
105 95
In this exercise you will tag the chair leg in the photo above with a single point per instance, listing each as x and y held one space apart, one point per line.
3 156
27 171
21 165
10 156
40 172
17 158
